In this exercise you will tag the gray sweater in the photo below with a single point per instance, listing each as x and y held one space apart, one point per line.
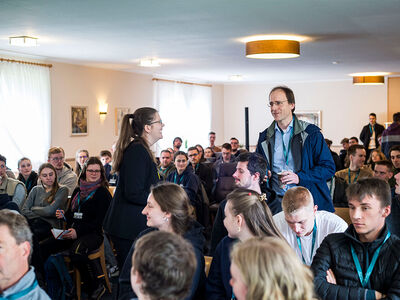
37 207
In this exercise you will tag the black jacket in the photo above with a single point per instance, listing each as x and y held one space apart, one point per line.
30 182
206 175
335 254
365 135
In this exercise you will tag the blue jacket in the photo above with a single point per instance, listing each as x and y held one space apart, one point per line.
313 161
217 286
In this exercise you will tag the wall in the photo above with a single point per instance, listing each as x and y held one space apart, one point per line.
393 97
344 107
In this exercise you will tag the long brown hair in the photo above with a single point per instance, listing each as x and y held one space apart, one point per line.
133 131
55 186
78 168
95 161
255 211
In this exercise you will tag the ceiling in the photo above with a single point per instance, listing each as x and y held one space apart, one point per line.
200 40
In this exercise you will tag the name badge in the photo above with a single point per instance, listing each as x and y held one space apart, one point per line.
78 215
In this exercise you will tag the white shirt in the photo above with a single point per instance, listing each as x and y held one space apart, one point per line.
326 222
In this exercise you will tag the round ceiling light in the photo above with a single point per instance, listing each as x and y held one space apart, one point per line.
272 49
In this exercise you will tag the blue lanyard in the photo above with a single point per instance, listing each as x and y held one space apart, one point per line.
364 280
180 180
21 293
286 151
79 198
355 178
314 234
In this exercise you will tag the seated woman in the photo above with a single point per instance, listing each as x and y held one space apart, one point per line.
376 155
280 274
90 201
26 175
81 157
246 215
168 209
201 152
155 274
209 154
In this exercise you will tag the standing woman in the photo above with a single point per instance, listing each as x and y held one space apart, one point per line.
81 157
26 175
137 172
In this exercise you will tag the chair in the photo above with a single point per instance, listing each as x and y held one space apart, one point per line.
225 183
208 260
343 212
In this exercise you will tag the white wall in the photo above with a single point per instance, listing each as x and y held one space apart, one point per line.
345 108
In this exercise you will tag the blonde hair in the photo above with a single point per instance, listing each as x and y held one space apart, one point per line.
297 198
271 270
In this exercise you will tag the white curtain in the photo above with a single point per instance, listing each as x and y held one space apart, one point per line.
186 112
25 113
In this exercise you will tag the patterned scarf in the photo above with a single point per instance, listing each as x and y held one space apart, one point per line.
85 189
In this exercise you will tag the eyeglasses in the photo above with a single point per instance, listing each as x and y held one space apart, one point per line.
82 156
192 155
277 103
154 122
57 158
181 160
93 171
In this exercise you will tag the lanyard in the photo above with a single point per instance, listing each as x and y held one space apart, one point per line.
355 178
21 293
79 198
180 180
371 129
197 167
314 234
364 280
286 151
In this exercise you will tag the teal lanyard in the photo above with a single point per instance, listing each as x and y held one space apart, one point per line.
355 178
180 180
371 129
21 293
364 280
314 234
286 151
197 167
87 198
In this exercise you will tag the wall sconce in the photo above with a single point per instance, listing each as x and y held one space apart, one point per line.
103 109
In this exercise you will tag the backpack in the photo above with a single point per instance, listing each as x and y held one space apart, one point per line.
57 277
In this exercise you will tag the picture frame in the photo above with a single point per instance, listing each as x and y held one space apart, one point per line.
79 120
310 116
120 112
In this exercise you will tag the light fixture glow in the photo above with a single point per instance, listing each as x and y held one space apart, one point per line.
368 80
103 107
149 62
288 37
272 49
370 74
236 77
23 41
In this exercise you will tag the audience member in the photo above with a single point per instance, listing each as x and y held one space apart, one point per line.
26 175
204 172
335 156
168 210
163 266
279 274
201 152
235 147
81 157
295 150
383 170
137 172
375 156
356 170
176 144
391 135
369 134
303 226
65 176
246 215
250 173
209 155
343 152
353 141
84 217
337 188
211 138
166 166
393 220
362 262
17 279
106 159
10 189
394 155
226 157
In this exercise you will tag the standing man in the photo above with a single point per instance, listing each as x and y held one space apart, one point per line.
166 164
211 137
369 134
363 262
65 176
295 150
356 170
235 147
391 135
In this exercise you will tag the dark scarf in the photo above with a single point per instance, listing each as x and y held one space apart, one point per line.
30 182
85 189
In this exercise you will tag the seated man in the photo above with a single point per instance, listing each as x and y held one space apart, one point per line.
17 279
204 172
65 175
235 147
343 152
106 160
10 188
302 225
393 221
226 157
394 155
356 170
176 144
166 164
383 170
363 262
163 266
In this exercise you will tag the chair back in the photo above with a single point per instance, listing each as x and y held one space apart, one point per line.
208 260
343 212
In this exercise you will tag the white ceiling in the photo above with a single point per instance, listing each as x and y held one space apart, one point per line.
199 40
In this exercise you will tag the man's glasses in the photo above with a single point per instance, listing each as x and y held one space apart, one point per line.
57 158
277 103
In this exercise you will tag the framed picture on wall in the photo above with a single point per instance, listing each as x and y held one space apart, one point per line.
120 112
310 116
79 120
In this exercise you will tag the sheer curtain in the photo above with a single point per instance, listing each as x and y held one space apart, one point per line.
25 112
185 110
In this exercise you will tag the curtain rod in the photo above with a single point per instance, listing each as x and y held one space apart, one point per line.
26 62
182 82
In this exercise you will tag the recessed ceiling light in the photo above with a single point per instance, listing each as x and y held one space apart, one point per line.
23 41
149 62
335 63
236 77
369 78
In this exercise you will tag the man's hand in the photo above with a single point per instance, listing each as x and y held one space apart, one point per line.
290 178
379 295
330 277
